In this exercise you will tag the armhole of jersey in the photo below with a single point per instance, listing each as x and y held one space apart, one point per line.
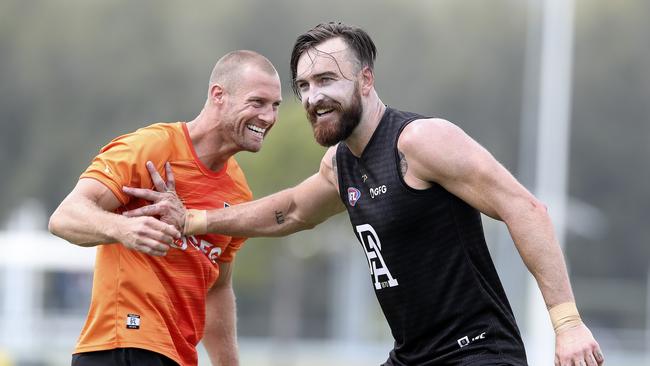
397 161
338 171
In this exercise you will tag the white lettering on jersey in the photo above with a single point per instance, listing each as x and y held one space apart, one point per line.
374 192
211 251
372 246
465 341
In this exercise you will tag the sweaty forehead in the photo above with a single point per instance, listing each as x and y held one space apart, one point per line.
329 56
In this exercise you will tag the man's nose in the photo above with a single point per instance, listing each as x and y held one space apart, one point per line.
269 115
315 98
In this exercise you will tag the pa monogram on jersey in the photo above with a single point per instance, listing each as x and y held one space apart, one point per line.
372 246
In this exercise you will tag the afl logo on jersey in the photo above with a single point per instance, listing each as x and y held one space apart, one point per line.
353 195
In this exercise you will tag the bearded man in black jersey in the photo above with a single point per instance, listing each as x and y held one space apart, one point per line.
414 188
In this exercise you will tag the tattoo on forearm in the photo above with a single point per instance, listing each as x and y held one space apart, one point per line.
403 166
279 217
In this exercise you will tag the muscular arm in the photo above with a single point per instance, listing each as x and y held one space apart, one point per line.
220 338
86 218
467 170
438 151
299 208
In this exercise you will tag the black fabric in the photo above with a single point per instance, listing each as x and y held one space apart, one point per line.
429 263
122 357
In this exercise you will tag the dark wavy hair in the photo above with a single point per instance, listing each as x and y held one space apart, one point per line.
356 38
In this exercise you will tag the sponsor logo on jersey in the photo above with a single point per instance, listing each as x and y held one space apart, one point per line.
374 192
466 341
353 195
211 251
133 321
226 204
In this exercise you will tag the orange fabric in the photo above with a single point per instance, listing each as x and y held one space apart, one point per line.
167 293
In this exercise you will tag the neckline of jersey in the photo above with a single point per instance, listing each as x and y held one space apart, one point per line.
383 118
204 169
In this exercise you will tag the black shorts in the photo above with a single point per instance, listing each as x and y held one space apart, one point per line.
122 357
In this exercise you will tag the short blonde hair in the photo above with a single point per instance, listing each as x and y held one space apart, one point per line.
227 71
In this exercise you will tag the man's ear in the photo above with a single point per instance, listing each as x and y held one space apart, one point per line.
367 80
216 93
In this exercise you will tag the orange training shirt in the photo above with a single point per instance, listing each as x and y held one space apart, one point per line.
158 303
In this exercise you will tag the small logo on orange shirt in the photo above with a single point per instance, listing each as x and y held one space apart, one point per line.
133 321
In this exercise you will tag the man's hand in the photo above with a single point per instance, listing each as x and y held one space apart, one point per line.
86 218
165 203
576 346
147 235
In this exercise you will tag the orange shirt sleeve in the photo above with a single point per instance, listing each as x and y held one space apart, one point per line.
122 161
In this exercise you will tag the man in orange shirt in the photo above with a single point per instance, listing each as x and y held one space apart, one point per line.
157 294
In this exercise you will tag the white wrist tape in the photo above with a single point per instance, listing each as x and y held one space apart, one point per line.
564 316
196 222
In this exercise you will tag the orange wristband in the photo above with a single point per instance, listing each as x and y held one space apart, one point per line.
564 316
196 222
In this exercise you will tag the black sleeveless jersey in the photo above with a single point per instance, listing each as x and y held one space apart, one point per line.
429 263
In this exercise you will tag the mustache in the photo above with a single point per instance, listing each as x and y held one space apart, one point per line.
326 103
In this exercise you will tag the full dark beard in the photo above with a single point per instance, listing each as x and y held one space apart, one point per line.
332 132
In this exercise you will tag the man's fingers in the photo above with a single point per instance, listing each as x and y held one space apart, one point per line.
157 253
171 231
149 245
162 237
164 233
146 194
598 355
141 211
171 183
151 251
157 180
151 210
591 360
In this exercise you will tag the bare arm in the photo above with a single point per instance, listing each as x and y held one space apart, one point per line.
438 151
86 218
299 208
220 338
467 170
